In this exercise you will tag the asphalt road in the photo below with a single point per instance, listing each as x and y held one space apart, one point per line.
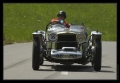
17 62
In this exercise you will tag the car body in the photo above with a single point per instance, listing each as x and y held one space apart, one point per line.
66 46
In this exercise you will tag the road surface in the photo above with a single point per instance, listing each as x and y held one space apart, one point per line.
17 62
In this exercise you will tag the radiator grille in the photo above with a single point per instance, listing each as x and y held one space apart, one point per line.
66 38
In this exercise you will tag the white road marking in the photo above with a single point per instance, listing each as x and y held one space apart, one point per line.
64 72
46 67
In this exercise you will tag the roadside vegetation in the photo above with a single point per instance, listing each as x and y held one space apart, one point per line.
20 20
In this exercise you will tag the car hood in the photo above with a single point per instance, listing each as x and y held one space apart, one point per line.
59 29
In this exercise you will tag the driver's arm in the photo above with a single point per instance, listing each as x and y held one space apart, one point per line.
54 21
67 25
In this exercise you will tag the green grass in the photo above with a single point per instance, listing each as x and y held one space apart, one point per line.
20 20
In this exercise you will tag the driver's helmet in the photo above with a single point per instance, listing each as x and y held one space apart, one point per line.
62 13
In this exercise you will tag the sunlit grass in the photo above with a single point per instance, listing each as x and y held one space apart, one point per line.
20 20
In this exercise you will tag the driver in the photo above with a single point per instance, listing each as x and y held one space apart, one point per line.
61 16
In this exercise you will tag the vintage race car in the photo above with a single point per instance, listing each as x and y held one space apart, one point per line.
67 46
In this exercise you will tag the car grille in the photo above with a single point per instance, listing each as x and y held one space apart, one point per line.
66 38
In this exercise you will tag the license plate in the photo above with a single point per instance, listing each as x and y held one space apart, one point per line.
65 56
69 56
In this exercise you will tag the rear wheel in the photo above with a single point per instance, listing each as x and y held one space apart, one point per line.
36 54
97 55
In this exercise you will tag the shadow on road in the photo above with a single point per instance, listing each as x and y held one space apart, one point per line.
73 68
106 67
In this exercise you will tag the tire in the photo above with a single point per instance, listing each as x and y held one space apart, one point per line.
41 59
97 56
92 63
36 54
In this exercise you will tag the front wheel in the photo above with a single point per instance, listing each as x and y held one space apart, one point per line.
36 54
97 55
41 59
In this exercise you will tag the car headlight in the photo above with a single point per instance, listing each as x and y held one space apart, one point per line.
52 37
80 37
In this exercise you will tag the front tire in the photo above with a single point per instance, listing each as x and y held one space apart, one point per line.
97 55
36 54
41 59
